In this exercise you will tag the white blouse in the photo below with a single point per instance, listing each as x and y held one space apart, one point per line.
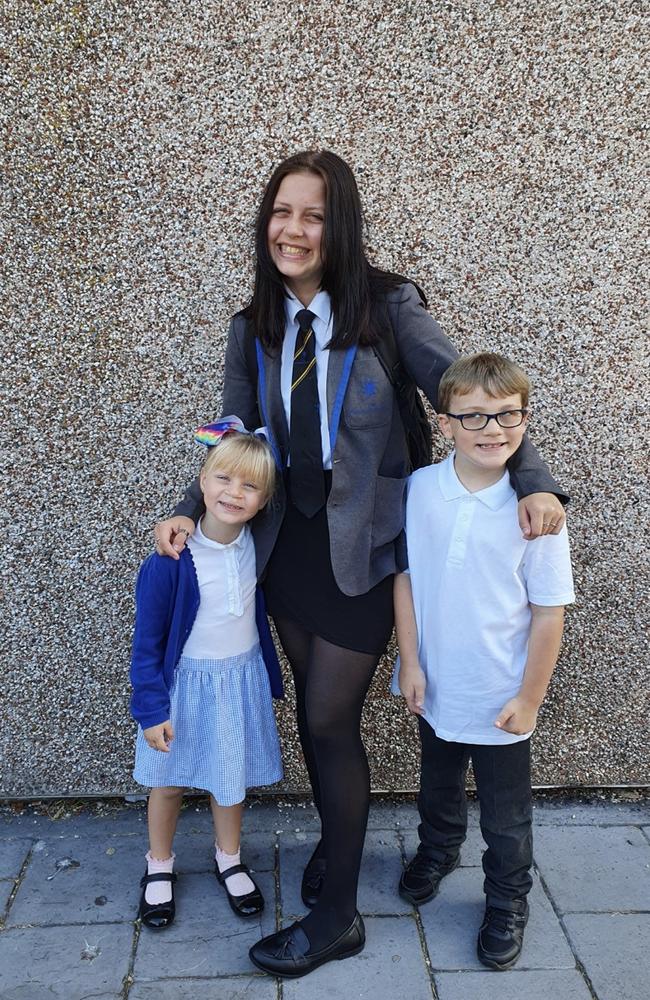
225 622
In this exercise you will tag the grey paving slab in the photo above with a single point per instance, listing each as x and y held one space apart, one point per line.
451 922
594 868
512 985
391 966
295 850
207 938
240 988
6 888
591 814
258 816
104 887
613 948
114 820
380 870
12 856
64 963
195 852
24 826
389 816
195 820
470 853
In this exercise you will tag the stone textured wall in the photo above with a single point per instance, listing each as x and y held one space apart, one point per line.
498 147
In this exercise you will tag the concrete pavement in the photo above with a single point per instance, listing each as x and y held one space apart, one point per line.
69 893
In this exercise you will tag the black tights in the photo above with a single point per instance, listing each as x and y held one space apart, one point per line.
331 686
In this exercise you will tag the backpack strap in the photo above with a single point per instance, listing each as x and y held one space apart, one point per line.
417 429
385 350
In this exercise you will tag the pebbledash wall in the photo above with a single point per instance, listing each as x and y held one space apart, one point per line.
498 148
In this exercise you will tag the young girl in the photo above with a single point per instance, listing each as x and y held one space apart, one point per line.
201 693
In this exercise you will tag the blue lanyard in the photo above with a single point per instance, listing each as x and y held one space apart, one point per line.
337 409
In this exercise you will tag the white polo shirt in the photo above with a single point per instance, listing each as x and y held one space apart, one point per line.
473 576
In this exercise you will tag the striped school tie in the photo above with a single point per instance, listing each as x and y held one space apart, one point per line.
305 451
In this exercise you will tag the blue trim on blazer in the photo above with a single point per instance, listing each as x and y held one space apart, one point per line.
167 600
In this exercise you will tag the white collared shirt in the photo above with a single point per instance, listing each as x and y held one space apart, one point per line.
322 327
473 577
225 622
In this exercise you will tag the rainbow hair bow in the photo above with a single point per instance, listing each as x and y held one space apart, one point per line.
211 434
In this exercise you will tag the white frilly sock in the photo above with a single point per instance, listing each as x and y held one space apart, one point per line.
158 892
237 885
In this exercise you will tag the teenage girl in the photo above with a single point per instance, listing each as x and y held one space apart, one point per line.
334 540
201 684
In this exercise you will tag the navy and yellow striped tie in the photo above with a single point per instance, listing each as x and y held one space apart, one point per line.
305 451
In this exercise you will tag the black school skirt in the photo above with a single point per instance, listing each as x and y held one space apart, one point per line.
300 586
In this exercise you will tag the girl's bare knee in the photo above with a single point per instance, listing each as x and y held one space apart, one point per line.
168 793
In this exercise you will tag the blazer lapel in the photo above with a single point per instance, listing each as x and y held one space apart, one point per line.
274 405
334 372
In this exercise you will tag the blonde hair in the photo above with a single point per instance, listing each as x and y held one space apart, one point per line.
245 455
494 374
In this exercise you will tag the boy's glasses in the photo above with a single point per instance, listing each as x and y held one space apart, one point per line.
477 421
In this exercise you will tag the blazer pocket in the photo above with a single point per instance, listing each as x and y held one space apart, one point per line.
369 396
388 517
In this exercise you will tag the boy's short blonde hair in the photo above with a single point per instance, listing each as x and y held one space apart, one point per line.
494 374
245 455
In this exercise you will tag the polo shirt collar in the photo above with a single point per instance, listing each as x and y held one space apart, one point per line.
237 543
320 305
451 487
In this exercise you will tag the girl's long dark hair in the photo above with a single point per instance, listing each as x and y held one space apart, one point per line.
356 288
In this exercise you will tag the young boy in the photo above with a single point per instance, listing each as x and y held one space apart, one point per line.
479 619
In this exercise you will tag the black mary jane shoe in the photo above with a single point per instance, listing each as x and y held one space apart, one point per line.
248 905
287 954
312 881
157 915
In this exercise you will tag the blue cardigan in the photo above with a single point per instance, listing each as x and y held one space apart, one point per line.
167 600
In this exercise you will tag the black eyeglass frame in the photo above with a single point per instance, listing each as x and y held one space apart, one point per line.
522 410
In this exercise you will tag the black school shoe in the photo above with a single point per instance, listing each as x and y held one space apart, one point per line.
501 936
312 881
157 915
422 876
287 954
248 905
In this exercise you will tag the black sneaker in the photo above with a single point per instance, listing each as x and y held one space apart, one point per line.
422 876
502 934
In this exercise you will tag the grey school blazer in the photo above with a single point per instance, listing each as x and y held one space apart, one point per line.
365 508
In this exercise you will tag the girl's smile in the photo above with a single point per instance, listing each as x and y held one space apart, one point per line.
230 501
295 233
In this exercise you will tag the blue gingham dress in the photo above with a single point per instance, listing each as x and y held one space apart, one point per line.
225 736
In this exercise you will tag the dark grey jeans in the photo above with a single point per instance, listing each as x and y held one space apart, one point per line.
503 784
